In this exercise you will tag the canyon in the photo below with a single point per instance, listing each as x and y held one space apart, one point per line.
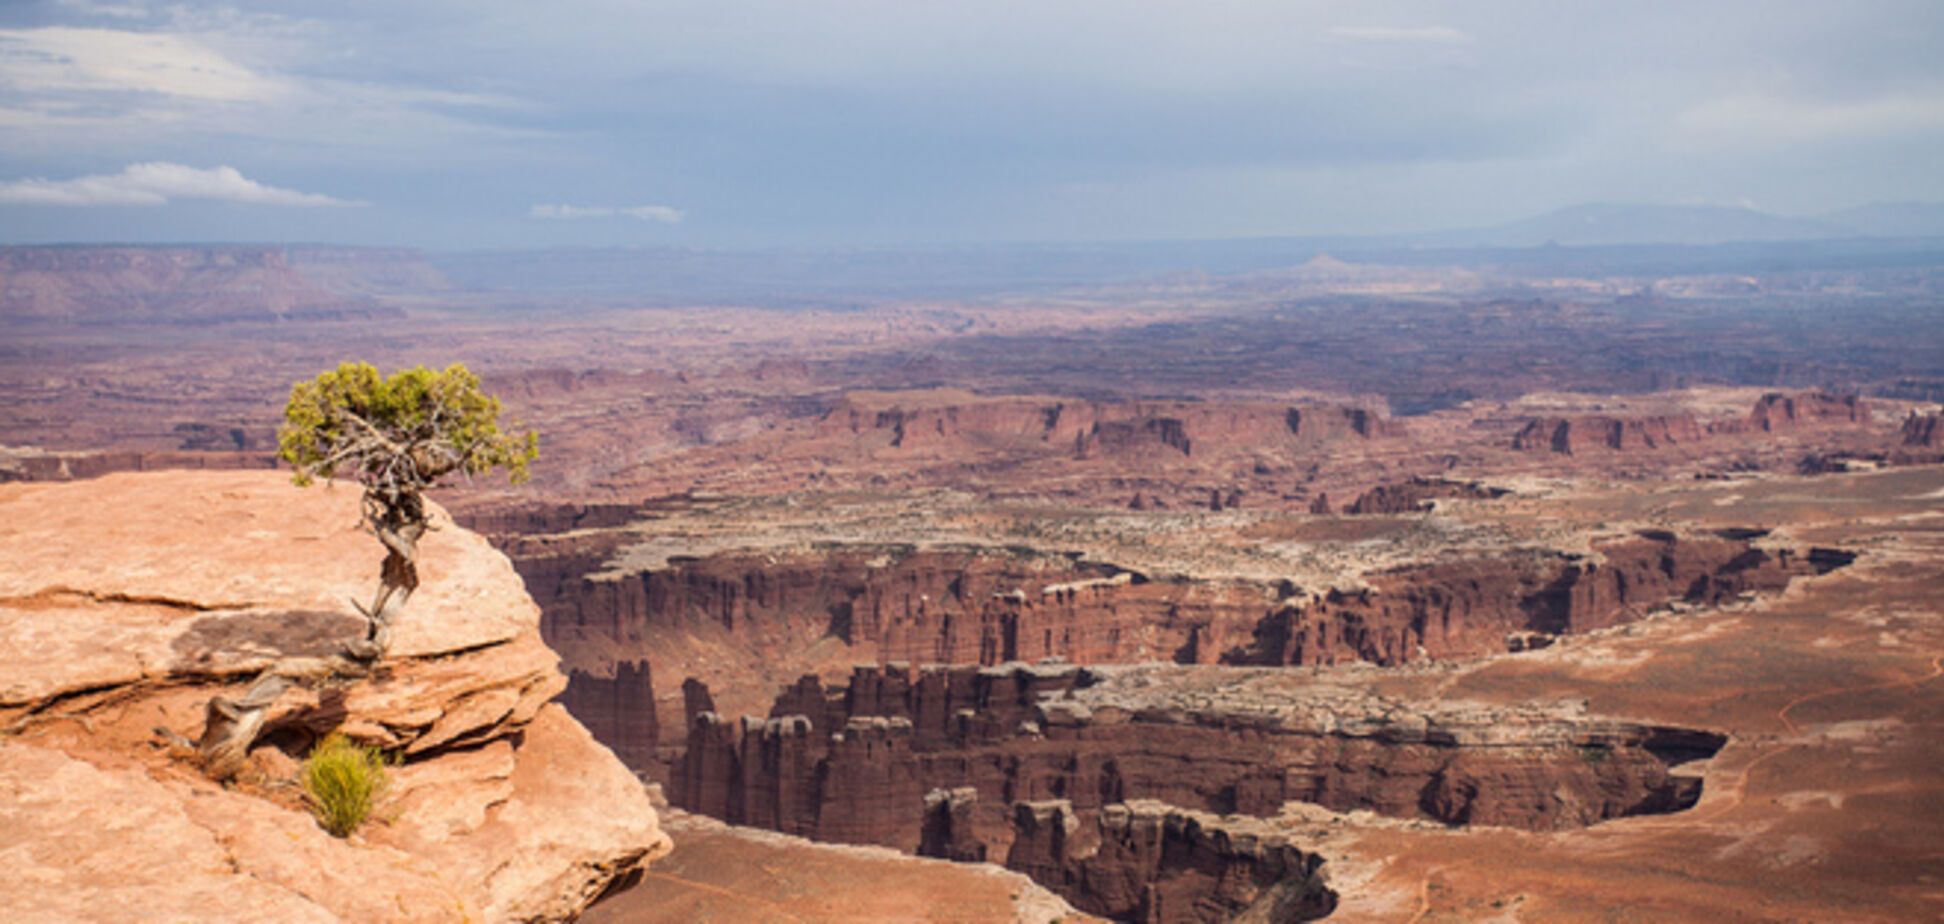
985 605
1344 591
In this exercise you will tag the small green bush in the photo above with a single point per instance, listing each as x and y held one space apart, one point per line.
342 782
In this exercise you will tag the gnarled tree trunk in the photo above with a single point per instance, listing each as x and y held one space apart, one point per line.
231 726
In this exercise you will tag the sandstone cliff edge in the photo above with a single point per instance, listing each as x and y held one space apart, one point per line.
127 601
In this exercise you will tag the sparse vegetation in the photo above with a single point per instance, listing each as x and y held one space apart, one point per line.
397 436
342 782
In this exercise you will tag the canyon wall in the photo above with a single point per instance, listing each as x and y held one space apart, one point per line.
1778 411
618 709
987 605
37 465
1773 413
1920 440
961 422
1470 607
1593 433
1147 861
864 762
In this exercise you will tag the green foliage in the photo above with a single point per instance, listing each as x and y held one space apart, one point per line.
405 431
342 782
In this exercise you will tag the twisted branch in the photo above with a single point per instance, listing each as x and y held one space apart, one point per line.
396 452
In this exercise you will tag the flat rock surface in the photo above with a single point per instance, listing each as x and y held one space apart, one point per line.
96 585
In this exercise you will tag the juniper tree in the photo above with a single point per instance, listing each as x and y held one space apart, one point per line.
397 437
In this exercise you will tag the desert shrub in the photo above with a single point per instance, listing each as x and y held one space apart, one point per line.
342 781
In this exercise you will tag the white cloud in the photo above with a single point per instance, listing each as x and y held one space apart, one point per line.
665 214
60 59
1422 35
157 184
216 73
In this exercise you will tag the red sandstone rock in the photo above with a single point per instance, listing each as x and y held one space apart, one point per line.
1150 862
1417 496
948 828
947 422
857 767
1579 435
979 605
128 601
618 710
1924 431
1779 411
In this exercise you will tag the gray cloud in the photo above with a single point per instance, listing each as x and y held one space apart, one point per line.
977 119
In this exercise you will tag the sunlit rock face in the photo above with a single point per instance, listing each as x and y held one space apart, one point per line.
128 601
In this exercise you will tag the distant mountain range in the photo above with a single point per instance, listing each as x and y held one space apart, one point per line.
1606 224
226 281
1590 239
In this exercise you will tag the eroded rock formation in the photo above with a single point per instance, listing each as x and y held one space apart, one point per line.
1469 607
1047 766
985 605
1151 862
1416 496
127 601
1778 411
1594 433
1920 440
953 421
619 710
40 465
855 764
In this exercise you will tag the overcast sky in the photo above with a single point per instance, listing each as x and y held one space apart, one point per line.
502 123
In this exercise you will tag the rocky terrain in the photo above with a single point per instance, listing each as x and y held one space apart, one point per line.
126 602
827 605
1405 593
850 764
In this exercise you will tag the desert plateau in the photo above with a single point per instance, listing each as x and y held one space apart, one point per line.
1284 462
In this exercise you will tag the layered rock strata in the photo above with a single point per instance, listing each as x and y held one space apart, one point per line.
619 710
950 421
1599 433
1418 495
42 465
1778 411
986 605
1148 861
867 762
127 602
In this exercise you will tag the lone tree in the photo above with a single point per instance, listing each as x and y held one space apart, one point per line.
396 436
